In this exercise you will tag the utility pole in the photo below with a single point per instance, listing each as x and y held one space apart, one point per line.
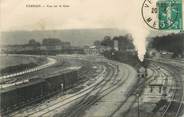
165 89
62 86
138 110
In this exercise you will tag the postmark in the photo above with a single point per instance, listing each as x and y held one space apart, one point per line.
163 14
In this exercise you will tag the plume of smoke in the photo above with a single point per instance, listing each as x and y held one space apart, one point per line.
135 25
139 34
139 37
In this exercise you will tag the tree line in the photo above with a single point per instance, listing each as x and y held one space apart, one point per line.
171 43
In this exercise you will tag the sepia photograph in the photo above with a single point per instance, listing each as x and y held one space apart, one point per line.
91 58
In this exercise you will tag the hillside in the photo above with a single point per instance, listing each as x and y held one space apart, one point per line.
78 37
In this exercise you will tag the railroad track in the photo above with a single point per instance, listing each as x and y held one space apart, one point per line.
137 89
97 90
31 102
51 62
66 99
177 95
17 78
83 105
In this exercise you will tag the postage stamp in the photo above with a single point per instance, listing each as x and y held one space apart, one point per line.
163 14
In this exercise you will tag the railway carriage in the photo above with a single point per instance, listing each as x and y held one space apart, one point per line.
36 90
18 95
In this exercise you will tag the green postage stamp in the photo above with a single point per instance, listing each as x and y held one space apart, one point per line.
163 14
170 14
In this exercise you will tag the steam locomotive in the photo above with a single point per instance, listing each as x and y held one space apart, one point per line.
142 72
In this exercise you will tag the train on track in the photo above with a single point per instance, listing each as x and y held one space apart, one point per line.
37 89
142 72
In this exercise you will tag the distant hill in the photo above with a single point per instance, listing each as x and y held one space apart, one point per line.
78 37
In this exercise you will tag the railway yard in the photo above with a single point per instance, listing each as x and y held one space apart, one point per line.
93 86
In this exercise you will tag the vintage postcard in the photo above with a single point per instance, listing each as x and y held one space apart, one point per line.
91 58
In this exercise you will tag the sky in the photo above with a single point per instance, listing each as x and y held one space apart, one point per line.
81 14
121 14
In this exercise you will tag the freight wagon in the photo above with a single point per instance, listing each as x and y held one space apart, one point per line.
13 98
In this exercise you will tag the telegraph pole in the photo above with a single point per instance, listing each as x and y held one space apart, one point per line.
138 110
